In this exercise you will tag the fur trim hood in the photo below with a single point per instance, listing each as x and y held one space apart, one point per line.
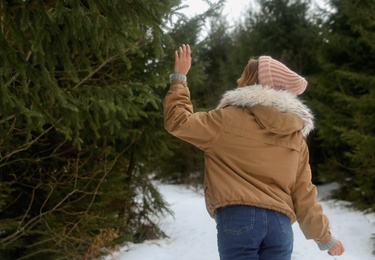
280 100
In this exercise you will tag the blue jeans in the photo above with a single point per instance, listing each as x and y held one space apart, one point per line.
251 233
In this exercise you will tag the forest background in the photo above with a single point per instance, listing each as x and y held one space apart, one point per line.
81 91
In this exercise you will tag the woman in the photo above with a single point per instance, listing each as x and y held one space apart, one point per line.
257 172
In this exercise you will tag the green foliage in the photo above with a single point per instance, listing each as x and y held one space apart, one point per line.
345 100
80 114
216 51
283 29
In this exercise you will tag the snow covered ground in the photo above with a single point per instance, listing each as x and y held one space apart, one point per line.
192 233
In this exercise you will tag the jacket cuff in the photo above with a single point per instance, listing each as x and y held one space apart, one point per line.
327 245
177 76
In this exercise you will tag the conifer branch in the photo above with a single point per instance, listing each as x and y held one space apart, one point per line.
15 76
108 60
23 147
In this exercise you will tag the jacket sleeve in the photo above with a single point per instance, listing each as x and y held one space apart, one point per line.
312 221
200 129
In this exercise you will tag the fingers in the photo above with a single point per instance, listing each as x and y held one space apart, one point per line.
175 56
187 50
184 51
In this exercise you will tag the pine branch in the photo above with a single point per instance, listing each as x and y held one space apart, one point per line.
108 60
23 147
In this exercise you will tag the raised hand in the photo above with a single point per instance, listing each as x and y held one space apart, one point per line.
182 62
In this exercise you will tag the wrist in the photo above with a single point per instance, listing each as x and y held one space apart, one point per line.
177 76
327 245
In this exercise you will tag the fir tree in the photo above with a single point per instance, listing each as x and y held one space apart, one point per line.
80 115
345 99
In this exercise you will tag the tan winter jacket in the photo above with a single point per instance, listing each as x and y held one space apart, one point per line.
255 152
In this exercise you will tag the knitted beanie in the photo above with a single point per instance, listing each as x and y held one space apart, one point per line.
274 74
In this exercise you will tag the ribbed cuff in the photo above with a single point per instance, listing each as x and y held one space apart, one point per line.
177 76
327 245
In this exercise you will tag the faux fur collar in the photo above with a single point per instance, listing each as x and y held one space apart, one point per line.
281 100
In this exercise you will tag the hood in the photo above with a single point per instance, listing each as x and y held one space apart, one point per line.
278 111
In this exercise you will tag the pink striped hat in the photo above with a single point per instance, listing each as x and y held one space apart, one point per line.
274 74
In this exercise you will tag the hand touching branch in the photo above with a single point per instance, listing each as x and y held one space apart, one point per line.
182 62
